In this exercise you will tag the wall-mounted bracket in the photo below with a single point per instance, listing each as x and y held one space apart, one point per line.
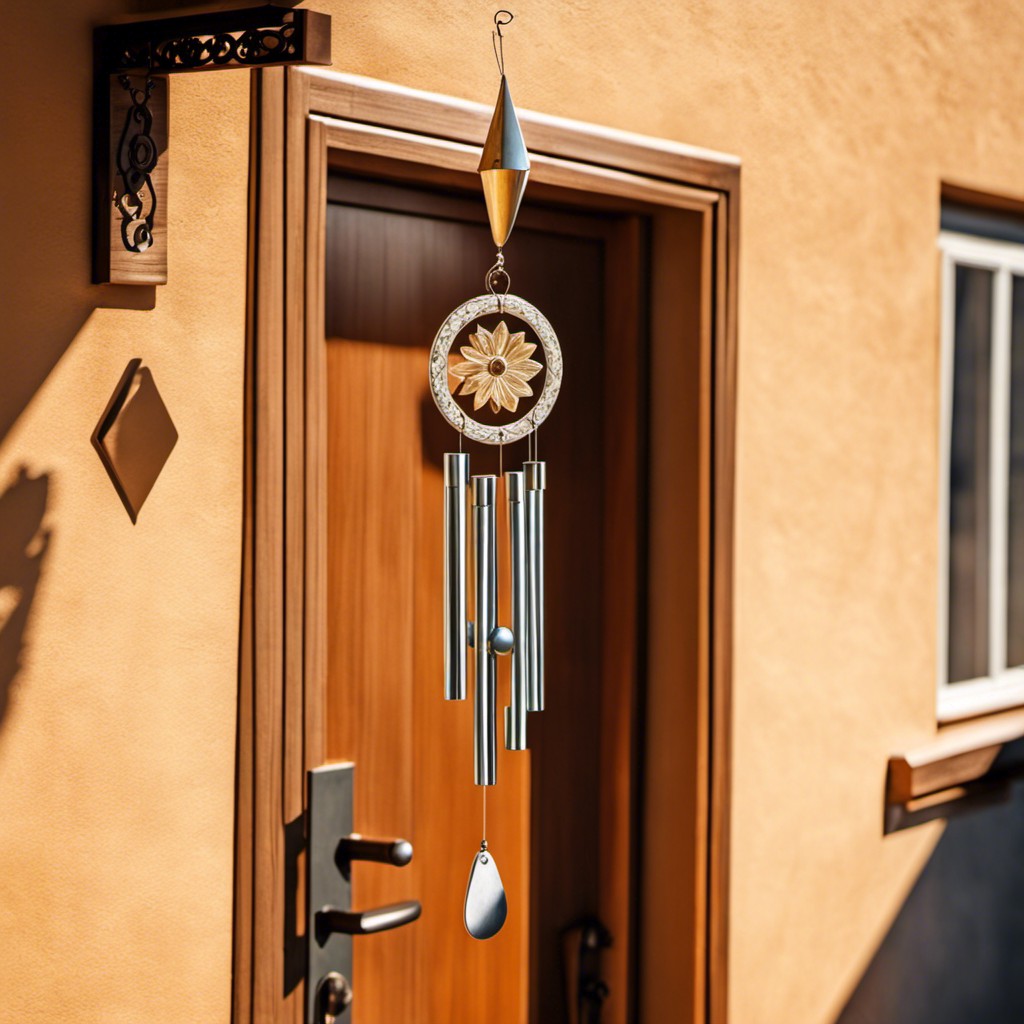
130 116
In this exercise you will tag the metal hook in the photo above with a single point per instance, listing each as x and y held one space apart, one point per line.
498 40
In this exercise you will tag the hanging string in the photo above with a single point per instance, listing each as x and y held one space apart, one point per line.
501 475
501 17
498 40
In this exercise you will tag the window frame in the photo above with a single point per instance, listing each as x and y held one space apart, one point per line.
1004 687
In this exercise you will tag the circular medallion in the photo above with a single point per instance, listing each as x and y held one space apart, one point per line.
496 370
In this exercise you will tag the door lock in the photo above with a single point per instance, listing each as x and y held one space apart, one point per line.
586 991
332 850
333 998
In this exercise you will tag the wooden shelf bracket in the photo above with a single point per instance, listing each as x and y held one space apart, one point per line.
131 63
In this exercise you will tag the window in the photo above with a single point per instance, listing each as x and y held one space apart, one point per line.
981 610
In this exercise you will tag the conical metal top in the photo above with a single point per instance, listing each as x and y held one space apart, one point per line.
504 166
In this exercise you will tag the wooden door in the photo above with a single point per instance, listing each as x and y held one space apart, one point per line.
399 258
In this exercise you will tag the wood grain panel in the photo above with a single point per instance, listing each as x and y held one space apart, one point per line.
445 155
395 273
383 103
412 750
293 760
675 777
458 978
590 168
373 468
724 368
315 416
624 439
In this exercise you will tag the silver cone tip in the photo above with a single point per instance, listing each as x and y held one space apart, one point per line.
504 148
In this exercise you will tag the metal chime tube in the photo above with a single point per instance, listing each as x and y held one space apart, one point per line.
456 477
535 474
485 551
515 713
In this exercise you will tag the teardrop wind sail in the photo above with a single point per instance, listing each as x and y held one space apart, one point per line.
486 905
495 371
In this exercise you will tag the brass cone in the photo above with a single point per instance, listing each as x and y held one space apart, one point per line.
504 167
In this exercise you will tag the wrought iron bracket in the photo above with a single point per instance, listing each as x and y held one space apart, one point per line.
130 114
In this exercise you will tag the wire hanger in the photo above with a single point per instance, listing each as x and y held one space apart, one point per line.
498 40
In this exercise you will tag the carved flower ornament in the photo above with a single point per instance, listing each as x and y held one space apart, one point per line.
497 367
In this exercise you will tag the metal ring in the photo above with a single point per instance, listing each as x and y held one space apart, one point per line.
482 305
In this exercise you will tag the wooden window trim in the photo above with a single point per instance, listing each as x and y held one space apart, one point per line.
970 196
959 755
296 115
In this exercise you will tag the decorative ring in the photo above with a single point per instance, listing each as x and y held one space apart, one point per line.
142 154
483 305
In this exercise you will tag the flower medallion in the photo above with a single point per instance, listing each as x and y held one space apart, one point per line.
497 368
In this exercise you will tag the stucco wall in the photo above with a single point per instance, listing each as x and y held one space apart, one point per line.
119 672
847 116
117 743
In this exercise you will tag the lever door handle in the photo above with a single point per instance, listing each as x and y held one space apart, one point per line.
397 852
332 848
366 922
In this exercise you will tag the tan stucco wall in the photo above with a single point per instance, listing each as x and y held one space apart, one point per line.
116 750
847 116
117 745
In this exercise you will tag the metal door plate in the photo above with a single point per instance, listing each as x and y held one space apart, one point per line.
330 818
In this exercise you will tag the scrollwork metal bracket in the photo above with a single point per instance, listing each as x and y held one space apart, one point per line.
130 107
136 158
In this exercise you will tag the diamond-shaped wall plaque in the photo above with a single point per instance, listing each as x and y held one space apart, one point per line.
135 436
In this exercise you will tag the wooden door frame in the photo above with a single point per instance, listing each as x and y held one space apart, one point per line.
298 117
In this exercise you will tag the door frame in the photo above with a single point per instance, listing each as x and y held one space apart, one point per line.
299 116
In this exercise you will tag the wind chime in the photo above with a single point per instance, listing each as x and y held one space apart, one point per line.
497 335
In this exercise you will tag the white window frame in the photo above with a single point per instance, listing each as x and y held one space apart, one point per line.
1003 687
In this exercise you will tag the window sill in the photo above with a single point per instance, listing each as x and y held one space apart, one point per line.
960 701
959 755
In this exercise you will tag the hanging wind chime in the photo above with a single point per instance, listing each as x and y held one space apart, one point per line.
498 335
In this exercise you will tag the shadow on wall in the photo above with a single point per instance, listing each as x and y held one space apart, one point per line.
135 436
955 952
23 544
45 266
45 192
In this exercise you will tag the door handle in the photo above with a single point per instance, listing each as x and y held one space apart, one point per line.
396 852
333 847
367 922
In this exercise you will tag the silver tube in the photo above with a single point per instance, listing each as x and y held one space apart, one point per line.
456 478
484 726
515 713
536 481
